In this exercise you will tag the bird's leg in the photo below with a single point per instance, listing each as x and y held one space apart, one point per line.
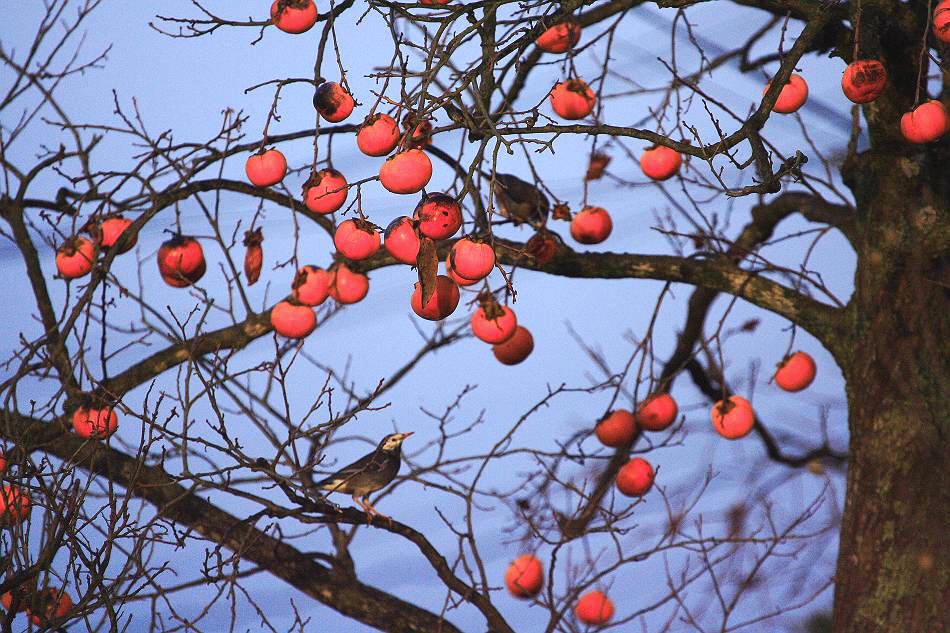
371 512
359 501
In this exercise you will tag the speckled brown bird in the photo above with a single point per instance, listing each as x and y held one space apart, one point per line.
369 473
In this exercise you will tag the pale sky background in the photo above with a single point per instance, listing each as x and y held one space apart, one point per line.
183 85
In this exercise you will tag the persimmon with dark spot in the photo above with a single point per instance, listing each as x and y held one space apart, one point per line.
439 216
333 102
657 412
864 80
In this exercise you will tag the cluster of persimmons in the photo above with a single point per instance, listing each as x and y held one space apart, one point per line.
437 217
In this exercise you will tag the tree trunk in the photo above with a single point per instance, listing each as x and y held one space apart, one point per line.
893 570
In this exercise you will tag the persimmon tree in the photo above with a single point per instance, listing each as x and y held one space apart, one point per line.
225 423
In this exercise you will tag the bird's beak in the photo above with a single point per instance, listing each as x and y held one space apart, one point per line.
403 436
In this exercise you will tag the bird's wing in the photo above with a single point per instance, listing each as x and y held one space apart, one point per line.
366 465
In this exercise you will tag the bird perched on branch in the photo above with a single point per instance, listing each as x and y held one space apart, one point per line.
520 201
369 473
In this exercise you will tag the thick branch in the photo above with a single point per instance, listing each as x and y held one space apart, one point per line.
174 502
717 274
